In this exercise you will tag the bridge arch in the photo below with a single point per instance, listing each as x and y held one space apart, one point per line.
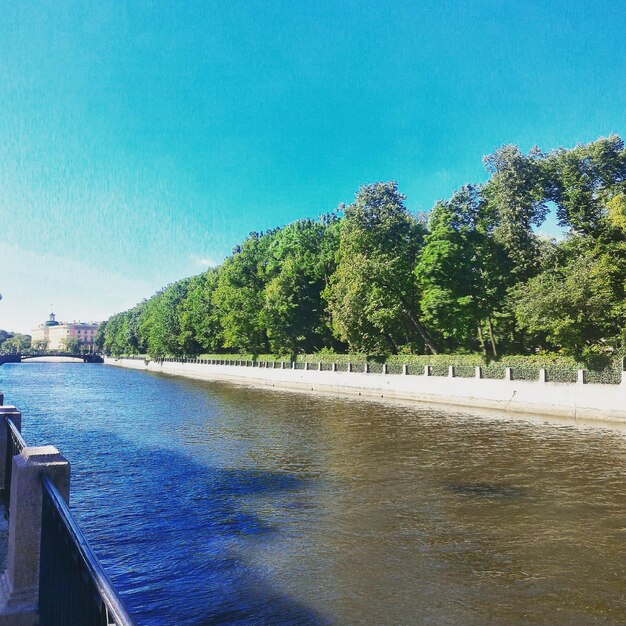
29 356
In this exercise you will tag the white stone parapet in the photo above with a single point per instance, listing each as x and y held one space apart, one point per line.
588 401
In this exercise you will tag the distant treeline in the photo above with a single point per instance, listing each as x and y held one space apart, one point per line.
373 278
13 343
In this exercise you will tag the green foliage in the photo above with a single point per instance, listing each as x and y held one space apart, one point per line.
301 258
515 200
373 296
11 343
616 212
73 345
238 297
198 323
579 305
462 269
584 183
373 279
159 322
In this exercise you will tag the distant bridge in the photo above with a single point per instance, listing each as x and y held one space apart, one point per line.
19 358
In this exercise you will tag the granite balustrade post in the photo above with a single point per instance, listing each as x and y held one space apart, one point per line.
7 412
19 585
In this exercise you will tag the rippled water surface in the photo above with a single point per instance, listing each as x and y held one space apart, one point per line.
219 504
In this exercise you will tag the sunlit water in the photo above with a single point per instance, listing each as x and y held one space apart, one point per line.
220 504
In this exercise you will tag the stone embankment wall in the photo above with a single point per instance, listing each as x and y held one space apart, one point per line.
572 400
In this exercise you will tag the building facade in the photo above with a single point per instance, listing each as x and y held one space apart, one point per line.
55 334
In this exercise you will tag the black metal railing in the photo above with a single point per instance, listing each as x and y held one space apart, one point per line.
73 588
15 444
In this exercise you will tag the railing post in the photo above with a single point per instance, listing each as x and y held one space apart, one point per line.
349 367
366 368
7 412
334 367
427 371
319 366
508 374
405 369
580 377
542 375
385 369
451 371
478 372
19 585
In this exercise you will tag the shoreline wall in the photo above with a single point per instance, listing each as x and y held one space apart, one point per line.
598 402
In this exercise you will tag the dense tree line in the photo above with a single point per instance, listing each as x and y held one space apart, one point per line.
13 343
372 277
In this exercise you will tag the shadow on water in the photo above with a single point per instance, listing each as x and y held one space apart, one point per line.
171 537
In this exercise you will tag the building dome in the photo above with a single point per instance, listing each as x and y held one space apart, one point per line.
52 321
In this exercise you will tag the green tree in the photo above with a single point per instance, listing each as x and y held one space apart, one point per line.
115 335
580 306
515 198
238 297
73 345
100 337
199 328
461 271
373 296
16 344
301 259
586 182
132 335
159 321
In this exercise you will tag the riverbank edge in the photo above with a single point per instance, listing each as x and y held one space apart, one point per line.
575 401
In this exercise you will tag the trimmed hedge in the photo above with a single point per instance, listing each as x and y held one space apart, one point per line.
523 367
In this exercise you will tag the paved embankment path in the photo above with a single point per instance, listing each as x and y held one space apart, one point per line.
596 402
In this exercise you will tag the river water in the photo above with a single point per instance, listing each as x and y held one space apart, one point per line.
222 504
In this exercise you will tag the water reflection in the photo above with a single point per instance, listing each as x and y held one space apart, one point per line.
226 504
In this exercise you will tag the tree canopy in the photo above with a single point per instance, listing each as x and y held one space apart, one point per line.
477 276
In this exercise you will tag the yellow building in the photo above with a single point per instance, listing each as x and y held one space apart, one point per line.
55 334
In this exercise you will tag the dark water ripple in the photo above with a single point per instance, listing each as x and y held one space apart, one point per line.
214 504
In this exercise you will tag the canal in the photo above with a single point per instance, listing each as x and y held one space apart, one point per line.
222 504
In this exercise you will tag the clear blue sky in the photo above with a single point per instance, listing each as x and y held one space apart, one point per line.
139 141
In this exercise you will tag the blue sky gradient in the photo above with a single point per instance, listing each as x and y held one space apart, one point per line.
140 141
